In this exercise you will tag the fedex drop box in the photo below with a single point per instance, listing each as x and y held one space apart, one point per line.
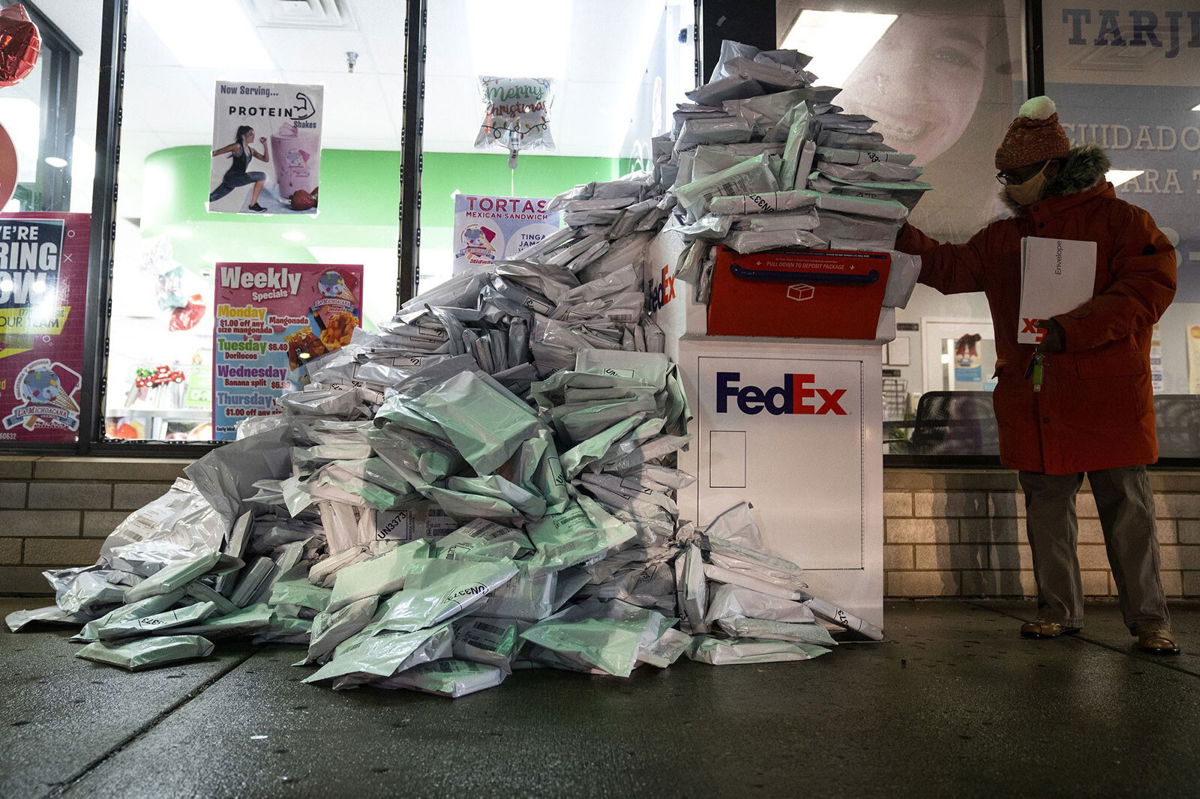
795 428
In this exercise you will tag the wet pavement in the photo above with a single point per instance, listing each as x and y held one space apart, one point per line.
953 704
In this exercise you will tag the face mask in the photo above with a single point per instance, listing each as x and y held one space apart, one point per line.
1030 191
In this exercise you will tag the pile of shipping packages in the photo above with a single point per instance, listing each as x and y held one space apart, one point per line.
762 159
488 482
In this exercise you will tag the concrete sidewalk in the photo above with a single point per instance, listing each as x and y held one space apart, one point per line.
954 704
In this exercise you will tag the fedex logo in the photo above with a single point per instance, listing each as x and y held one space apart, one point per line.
660 292
797 395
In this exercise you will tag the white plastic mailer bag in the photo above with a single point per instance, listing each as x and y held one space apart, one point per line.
692 588
786 591
751 176
809 633
768 202
174 577
449 677
146 653
135 610
843 618
180 524
731 600
722 652
666 649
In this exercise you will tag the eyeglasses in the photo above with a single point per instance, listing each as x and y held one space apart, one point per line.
1017 177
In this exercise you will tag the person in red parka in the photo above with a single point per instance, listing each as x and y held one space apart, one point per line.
1081 401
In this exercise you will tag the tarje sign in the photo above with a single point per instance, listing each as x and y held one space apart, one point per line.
490 229
43 288
270 321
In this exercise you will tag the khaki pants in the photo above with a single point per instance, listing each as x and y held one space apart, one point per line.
1126 505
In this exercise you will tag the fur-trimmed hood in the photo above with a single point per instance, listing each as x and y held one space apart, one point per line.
1084 166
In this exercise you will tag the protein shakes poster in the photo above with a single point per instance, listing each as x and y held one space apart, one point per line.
490 229
270 321
266 153
43 287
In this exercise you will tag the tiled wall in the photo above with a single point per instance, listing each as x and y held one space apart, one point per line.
962 533
56 512
948 533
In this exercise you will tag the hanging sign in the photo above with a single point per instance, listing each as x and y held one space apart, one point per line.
270 321
490 229
266 154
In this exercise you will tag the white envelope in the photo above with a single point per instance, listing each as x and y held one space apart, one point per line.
1057 276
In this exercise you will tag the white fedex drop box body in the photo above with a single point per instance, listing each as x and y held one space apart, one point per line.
813 468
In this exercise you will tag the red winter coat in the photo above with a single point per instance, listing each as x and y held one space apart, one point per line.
1096 406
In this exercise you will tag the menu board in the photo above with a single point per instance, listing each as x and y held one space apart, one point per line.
271 320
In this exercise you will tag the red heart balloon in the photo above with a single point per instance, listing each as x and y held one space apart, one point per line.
303 201
20 43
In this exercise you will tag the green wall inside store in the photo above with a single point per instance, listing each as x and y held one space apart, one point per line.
360 191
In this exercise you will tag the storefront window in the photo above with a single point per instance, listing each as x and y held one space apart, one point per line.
217 166
606 74
943 80
1124 77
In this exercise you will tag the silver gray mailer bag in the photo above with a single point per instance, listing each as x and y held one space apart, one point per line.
742 627
146 653
173 577
722 652
331 628
151 625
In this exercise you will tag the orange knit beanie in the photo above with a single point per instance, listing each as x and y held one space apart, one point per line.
1034 136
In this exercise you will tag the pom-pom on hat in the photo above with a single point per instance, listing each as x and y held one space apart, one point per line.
1034 136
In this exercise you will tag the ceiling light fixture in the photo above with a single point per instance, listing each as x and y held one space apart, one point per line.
838 41
493 52
55 161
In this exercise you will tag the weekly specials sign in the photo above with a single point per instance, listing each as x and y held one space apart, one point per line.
271 320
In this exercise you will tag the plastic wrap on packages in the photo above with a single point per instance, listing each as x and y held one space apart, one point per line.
52 614
438 589
714 130
176 526
330 628
840 155
494 642
734 87
451 678
148 652
485 422
746 241
712 158
858 233
86 591
227 474
721 652
764 203
769 223
152 625
750 176
883 171
804 633
384 653
125 613
902 279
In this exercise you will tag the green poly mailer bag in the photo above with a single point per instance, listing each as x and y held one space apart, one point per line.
485 426
567 539
529 504
146 653
253 619
299 591
593 449
135 610
151 625
378 576
332 628
479 537
173 577
439 589
610 645
494 642
382 654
